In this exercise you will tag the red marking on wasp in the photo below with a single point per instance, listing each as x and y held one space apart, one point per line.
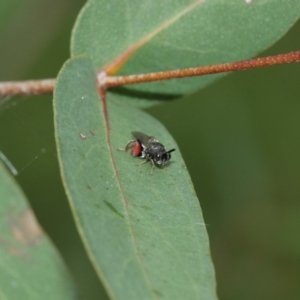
136 149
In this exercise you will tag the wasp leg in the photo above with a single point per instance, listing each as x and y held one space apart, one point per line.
152 167
152 164
143 162
128 145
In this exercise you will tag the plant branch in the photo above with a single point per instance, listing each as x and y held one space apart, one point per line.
46 86
112 81
29 87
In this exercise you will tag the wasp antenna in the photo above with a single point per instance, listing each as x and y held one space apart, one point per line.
172 150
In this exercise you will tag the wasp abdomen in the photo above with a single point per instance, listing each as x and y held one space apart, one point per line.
136 149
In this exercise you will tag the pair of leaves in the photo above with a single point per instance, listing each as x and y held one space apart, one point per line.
145 234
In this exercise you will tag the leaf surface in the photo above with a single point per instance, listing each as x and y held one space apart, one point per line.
144 233
164 35
30 267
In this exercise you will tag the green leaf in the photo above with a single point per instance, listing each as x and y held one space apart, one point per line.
30 267
144 233
183 34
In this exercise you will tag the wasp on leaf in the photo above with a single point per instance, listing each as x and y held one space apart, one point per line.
149 148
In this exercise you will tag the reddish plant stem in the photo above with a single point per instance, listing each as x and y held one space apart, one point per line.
112 81
30 87
46 86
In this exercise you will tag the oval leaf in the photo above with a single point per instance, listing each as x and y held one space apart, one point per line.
30 267
162 35
144 233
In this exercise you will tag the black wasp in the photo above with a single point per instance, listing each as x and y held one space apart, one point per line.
149 148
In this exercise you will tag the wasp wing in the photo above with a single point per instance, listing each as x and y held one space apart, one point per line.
143 138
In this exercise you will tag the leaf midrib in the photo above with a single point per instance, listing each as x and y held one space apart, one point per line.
122 193
113 67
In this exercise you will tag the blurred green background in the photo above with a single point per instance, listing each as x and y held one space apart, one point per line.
239 137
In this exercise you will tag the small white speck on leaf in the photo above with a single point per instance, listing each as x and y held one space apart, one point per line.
82 136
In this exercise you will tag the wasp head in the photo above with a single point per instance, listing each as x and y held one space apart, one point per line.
163 157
